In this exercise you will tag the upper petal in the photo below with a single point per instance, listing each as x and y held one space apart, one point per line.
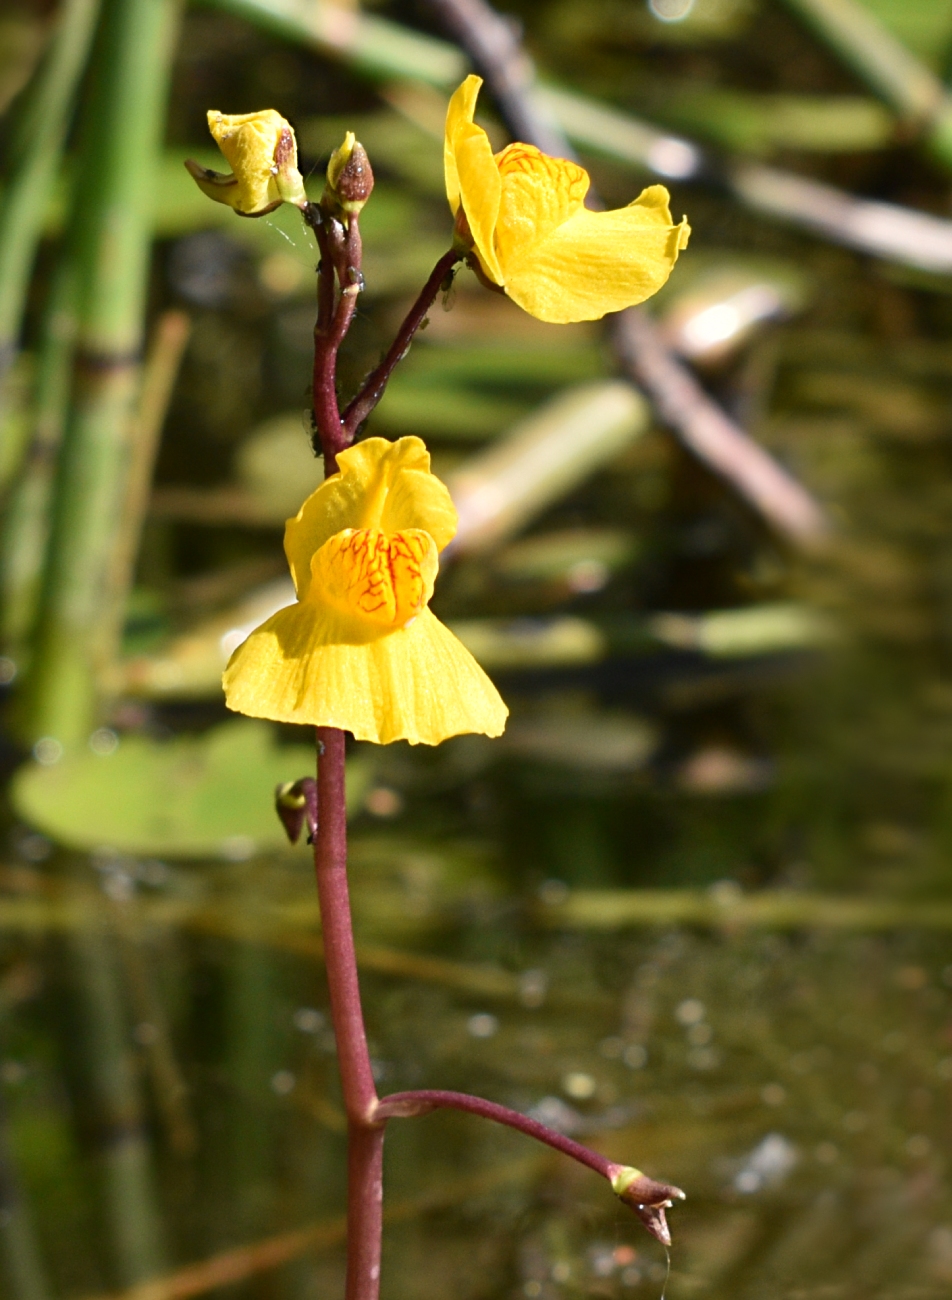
472 177
480 194
539 193
459 113
379 484
597 262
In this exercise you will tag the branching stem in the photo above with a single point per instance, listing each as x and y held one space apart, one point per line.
341 256
405 1105
376 382
339 282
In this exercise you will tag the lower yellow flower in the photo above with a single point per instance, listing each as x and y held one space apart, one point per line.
360 649
526 219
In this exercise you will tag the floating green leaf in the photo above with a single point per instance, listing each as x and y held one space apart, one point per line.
205 796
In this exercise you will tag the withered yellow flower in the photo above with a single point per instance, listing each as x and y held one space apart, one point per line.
262 151
360 649
526 218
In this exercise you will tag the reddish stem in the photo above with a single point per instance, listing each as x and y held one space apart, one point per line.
645 1196
364 1211
341 253
376 382
330 862
405 1105
364 1131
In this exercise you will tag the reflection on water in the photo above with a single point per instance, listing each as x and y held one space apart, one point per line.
171 1093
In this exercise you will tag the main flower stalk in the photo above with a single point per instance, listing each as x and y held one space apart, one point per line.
339 282
365 1132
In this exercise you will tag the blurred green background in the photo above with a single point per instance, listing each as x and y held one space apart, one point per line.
695 905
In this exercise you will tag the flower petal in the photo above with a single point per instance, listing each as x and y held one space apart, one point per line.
417 684
480 193
597 262
471 174
459 113
387 580
539 193
379 484
249 141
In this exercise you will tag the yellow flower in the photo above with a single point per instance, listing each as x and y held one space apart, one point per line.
262 151
360 649
533 234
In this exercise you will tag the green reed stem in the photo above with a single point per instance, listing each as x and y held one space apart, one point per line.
131 1204
25 534
884 63
37 151
20 1261
123 132
250 1030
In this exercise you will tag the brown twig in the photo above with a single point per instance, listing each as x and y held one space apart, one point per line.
711 435
376 382
700 424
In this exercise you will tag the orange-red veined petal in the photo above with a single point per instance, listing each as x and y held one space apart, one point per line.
379 484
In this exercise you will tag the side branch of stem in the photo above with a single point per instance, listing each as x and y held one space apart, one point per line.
406 1105
645 1196
376 382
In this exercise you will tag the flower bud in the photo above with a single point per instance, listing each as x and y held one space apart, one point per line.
648 1199
296 802
350 178
262 151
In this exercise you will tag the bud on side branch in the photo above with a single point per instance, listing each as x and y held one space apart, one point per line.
647 1198
350 179
295 802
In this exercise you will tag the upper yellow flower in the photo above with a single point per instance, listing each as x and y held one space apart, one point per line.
262 151
360 649
534 236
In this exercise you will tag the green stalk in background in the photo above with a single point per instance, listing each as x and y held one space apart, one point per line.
131 1204
118 159
25 531
20 1260
250 1031
885 64
37 151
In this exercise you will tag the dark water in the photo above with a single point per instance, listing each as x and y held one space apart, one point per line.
171 1093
